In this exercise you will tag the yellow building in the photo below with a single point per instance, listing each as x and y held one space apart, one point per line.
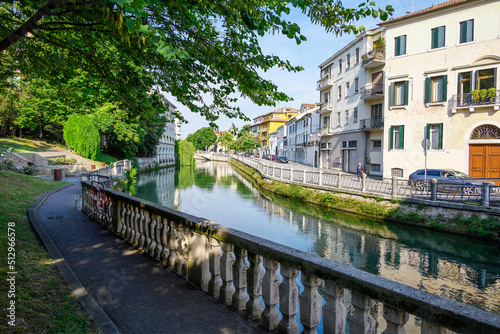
265 124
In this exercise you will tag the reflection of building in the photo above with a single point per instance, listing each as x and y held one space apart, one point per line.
159 187
165 152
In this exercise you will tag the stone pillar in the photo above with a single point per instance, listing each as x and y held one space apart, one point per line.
198 260
291 174
304 179
433 190
254 279
270 294
334 311
240 267
394 186
289 303
395 319
485 200
320 181
226 271
214 264
362 321
430 328
363 182
339 181
310 303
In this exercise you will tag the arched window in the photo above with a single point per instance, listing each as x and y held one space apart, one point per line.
486 132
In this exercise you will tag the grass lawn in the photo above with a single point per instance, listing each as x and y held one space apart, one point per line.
25 145
44 303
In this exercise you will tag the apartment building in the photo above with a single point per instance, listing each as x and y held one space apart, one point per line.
351 104
165 152
442 84
268 123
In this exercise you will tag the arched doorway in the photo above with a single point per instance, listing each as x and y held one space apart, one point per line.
484 152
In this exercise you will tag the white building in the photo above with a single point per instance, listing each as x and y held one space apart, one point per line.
437 60
165 152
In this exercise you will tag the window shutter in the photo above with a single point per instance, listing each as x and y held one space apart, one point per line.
476 80
434 38
391 138
469 34
440 143
391 94
495 77
445 88
406 93
401 137
428 132
397 51
463 31
441 36
403 45
427 90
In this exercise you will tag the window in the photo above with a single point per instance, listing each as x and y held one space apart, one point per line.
357 56
355 115
356 85
375 167
376 145
338 118
398 172
340 92
353 143
347 117
400 45
396 139
437 37
348 61
326 122
276 116
398 93
340 65
344 144
464 83
434 133
466 31
435 89
485 79
325 72
347 89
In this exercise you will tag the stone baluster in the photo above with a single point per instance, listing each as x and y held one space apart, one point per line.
142 229
339 180
134 216
289 301
172 246
226 271
334 311
122 225
304 180
430 328
395 319
270 294
240 267
152 232
214 264
165 252
362 322
179 265
310 303
254 278
128 220
119 217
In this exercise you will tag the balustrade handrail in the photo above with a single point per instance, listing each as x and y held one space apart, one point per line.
176 239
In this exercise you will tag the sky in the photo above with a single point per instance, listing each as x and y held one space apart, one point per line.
300 86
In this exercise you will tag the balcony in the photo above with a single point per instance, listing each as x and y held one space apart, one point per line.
373 58
325 130
466 101
325 106
372 123
325 82
372 91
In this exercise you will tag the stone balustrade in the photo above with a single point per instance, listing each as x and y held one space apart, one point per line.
258 277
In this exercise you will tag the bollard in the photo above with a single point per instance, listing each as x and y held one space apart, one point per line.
320 181
339 185
433 189
485 200
394 185
57 174
363 182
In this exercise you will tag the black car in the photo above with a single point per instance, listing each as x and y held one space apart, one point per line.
281 159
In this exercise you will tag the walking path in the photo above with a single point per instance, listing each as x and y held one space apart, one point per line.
124 290
60 152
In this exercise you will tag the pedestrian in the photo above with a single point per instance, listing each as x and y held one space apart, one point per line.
359 171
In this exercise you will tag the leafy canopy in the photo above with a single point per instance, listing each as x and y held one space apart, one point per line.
191 48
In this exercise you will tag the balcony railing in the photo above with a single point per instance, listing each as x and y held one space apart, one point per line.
373 58
324 82
372 91
326 106
372 123
458 101
325 130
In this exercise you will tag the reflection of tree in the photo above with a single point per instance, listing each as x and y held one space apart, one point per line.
184 178
244 190
225 181
204 180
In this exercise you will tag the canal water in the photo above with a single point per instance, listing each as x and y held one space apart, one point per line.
453 267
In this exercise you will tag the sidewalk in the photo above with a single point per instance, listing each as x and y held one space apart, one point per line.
124 290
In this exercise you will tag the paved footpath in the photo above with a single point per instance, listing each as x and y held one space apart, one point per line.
135 293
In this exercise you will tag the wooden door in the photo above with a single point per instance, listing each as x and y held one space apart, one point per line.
493 162
377 82
484 161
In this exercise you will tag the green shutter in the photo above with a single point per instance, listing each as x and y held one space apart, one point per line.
427 90
391 94
463 31
434 38
403 45
391 138
401 137
495 77
428 132
441 36
469 37
405 100
476 80
445 88
440 143
396 51
459 83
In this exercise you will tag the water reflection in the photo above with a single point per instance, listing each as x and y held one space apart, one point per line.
451 266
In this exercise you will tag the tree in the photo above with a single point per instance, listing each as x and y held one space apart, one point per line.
244 130
82 136
202 138
247 142
189 48
225 139
184 153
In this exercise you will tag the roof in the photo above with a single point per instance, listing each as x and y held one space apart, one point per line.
426 10
284 110
308 105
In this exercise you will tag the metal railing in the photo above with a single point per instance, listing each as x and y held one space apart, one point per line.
370 123
466 100
375 54
372 90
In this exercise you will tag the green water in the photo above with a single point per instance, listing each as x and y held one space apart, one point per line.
451 266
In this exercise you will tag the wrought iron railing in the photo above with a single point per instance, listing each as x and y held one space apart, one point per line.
467 100
375 54
370 123
372 90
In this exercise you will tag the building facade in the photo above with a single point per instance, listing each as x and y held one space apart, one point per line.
268 123
442 89
165 150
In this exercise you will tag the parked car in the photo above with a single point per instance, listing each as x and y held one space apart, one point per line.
281 159
447 180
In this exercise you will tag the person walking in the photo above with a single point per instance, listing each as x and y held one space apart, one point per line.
359 171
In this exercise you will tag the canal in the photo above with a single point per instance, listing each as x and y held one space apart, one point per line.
451 266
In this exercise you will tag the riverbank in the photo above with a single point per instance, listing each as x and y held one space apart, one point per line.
463 222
